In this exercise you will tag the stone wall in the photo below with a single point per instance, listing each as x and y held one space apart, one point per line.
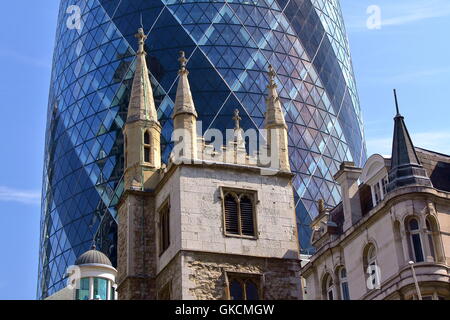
202 212
172 274
204 275
136 247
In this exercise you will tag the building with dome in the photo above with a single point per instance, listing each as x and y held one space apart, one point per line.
91 278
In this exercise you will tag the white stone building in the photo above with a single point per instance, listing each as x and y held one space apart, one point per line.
91 278
390 236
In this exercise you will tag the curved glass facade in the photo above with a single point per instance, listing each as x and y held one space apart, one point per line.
229 44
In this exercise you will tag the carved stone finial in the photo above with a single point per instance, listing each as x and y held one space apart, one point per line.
237 120
183 61
141 36
272 75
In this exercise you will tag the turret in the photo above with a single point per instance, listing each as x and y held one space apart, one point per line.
142 131
184 116
275 124
406 169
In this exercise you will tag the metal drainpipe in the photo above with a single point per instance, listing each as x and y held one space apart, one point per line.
419 294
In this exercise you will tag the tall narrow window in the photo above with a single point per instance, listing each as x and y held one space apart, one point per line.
126 151
100 289
239 214
371 266
246 209
164 228
385 183
231 214
147 147
328 287
377 192
345 293
430 235
146 137
83 292
166 292
415 241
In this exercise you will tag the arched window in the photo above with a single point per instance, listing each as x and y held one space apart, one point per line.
345 292
431 232
415 241
147 147
146 137
371 265
328 287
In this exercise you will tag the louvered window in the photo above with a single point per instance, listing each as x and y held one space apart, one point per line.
246 206
231 214
239 213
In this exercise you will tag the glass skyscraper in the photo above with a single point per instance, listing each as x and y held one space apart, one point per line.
229 44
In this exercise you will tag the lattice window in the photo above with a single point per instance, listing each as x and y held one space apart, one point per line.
244 286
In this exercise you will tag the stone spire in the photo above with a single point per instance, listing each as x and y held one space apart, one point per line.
274 113
183 101
275 124
142 131
406 168
142 104
184 118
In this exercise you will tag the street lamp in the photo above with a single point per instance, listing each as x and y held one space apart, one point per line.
419 295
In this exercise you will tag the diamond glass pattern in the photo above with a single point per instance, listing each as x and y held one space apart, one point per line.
229 45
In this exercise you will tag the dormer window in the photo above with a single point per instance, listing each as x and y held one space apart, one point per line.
377 193
379 190
384 184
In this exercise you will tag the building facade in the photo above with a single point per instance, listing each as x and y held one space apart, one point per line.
229 46
389 238
91 278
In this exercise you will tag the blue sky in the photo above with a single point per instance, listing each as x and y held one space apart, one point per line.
409 52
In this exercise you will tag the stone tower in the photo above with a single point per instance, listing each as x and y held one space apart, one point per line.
210 226
142 130
136 246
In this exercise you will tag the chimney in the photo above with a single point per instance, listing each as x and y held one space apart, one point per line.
347 177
